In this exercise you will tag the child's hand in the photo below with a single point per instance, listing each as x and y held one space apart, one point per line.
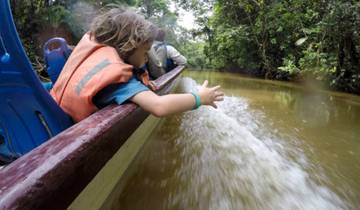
153 85
208 96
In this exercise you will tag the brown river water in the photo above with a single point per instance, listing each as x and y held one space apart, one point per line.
269 145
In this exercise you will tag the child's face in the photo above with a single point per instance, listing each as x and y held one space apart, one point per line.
139 57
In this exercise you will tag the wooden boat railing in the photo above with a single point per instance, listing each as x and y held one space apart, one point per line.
53 174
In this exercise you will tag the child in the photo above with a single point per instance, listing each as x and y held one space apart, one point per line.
100 71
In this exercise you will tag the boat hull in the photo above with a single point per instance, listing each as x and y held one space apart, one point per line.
52 175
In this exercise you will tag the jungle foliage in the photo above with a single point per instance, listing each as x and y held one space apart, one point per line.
287 40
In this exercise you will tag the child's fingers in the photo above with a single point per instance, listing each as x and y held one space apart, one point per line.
153 86
205 83
213 105
219 93
219 98
216 88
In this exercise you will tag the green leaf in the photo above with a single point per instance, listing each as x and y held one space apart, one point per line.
300 41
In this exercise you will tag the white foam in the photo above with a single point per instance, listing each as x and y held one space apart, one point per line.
234 164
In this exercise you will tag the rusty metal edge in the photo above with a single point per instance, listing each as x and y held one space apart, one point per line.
53 174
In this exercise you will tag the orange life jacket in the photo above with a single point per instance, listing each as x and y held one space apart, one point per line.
90 68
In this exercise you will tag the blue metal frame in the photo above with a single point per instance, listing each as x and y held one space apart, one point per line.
28 114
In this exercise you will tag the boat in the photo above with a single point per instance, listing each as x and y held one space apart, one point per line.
77 167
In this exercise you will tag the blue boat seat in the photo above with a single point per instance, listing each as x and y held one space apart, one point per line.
56 53
28 114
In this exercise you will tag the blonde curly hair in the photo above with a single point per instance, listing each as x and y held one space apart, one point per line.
122 29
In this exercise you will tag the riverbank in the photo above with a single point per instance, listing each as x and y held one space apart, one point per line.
309 81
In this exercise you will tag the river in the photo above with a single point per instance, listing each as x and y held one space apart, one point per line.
269 145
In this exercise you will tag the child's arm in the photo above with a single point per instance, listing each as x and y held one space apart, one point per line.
162 106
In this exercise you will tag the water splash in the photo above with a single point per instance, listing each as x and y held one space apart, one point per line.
225 164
